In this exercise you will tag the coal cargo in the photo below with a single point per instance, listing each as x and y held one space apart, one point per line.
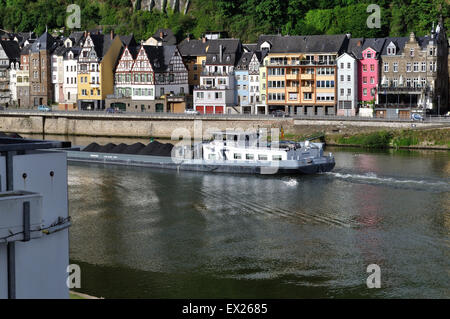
134 149
119 149
107 148
93 148
157 149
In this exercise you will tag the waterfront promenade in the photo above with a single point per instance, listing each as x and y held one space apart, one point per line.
161 125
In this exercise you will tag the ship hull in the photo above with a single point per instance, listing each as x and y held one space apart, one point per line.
314 166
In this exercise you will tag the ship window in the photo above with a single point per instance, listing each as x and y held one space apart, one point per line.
237 156
250 157
276 157
262 157
212 156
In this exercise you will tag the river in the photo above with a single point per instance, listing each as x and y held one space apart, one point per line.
146 233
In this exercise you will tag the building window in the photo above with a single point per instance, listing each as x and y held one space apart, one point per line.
349 78
408 67
424 67
395 66
364 68
411 52
372 68
416 66
364 80
365 92
386 67
262 157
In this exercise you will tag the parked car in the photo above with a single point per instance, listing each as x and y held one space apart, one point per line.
191 112
417 117
44 108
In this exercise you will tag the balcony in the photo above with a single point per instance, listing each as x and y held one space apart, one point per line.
212 88
292 76
403 89
306 76
307 89
292 89
218 73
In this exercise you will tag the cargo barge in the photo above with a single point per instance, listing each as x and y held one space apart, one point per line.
237 153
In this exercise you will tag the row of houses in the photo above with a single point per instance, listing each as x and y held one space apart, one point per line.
303 75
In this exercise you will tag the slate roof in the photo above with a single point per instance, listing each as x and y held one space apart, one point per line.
244 61
399 43
252 47
168 36
44 42
77 37
160 56
11 49
304 44
26 50
128 40
376 44
190 47
231 52
102 43
355 46
76 52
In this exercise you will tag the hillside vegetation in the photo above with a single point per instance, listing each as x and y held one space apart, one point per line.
245 19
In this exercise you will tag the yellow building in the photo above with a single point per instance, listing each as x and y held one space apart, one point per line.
96 65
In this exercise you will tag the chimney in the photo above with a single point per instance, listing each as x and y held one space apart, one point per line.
112 34
220 53
161 35
359 43
204 39
85 34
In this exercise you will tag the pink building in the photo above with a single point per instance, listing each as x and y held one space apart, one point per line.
369 71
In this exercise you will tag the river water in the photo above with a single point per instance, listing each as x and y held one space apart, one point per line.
146 233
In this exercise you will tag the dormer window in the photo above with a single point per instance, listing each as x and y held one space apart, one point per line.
228 58
369 55
214 59
411 52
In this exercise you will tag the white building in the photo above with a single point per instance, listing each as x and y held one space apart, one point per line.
347 85
70 90
13 81
216 93
58 75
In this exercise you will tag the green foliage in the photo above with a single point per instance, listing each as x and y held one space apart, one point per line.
245 19
379 139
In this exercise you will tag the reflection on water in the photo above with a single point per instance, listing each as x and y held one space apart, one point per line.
148 233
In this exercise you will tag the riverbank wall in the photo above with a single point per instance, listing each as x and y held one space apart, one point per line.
336 130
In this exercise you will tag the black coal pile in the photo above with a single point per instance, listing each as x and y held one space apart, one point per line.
134 149
93 148
157 149
153 149
107 148
119 149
